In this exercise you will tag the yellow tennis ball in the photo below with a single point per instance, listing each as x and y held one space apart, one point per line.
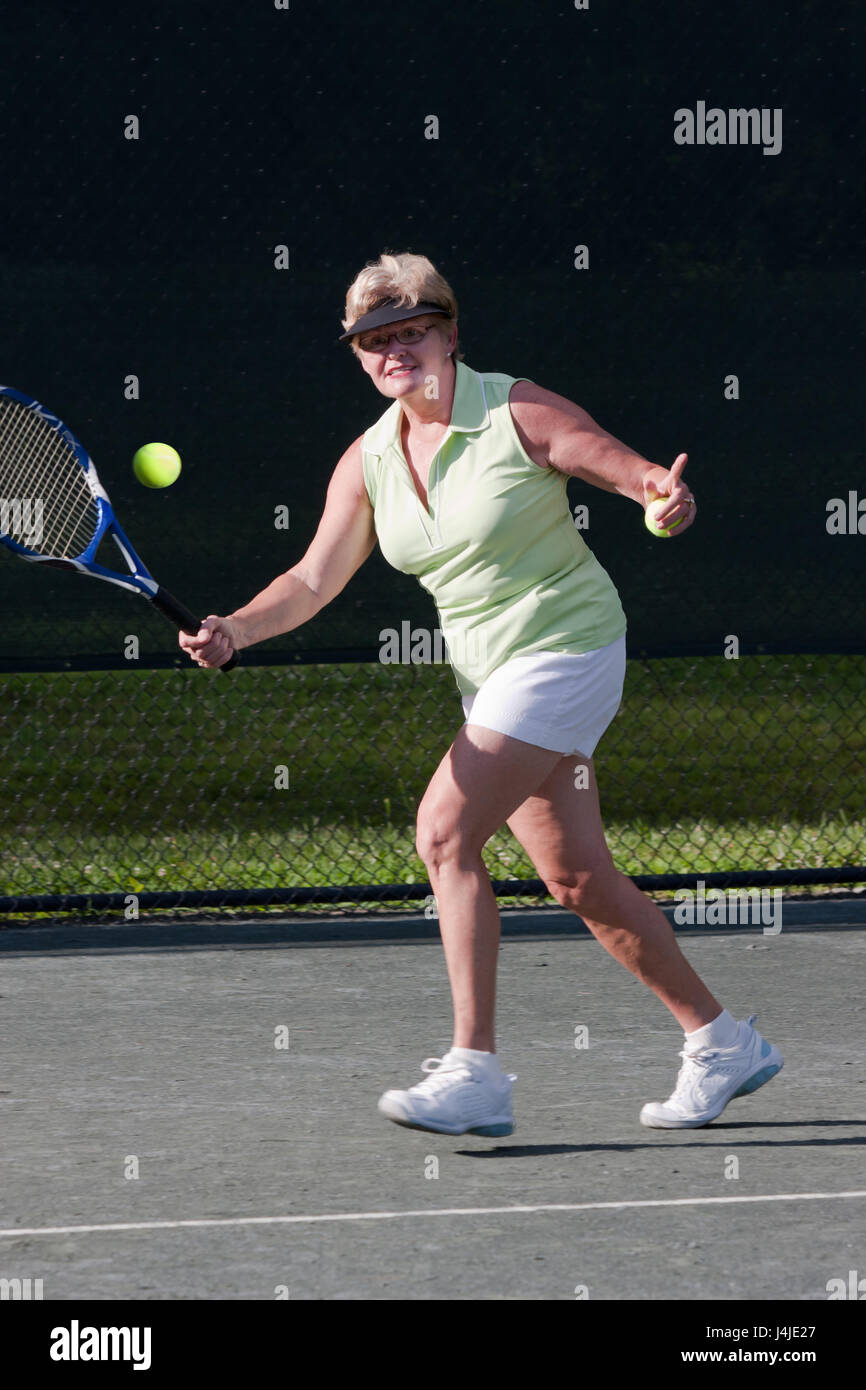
156 465
652 512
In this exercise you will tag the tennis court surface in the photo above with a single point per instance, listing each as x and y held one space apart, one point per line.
189 1112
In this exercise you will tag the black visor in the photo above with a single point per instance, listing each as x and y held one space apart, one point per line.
387 313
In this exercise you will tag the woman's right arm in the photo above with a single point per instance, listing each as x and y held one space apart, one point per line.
345 538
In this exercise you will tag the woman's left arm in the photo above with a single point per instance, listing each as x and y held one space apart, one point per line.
559 434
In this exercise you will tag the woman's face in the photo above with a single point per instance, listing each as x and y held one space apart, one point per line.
402 369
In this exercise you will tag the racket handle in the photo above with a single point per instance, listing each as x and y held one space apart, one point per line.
180 615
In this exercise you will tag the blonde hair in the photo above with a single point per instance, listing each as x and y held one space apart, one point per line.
406 279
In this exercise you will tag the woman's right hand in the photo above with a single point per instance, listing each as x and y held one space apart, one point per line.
214 642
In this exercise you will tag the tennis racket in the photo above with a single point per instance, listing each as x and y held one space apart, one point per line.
53 508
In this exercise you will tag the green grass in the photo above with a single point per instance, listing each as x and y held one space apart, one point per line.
154 780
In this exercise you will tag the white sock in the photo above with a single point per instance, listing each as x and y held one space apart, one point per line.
722 1032
488 1060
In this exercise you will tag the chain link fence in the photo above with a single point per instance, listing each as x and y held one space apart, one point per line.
299 784
194 189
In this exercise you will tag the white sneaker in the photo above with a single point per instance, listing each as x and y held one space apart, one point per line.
712 1076
456 1097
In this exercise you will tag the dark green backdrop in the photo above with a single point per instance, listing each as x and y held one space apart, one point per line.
305 127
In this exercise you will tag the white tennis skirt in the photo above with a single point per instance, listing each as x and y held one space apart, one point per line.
563 701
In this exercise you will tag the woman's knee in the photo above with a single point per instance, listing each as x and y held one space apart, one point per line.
585 890
439 835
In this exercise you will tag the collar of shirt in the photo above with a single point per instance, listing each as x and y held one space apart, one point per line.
469 414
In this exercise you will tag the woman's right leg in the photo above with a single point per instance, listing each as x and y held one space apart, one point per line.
483 777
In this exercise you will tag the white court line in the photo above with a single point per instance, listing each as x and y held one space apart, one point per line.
430 1211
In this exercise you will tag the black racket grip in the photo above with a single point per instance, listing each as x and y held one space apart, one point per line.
179 614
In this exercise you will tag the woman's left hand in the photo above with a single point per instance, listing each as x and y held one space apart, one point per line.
670 485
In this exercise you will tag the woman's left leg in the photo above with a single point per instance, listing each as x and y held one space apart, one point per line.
561 830
560 827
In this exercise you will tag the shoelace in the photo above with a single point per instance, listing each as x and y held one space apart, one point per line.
439 1069
696 1060
700 1060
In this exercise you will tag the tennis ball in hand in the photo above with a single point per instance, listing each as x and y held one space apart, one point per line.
156 465
652 512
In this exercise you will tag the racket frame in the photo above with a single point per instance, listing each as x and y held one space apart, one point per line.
139 579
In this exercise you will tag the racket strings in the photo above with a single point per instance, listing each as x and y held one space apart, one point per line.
45 470
54 512
46 503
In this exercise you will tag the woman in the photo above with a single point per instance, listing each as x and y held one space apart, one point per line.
463 482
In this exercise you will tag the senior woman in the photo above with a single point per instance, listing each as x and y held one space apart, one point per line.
462 481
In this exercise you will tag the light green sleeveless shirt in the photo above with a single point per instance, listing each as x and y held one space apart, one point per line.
498 550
